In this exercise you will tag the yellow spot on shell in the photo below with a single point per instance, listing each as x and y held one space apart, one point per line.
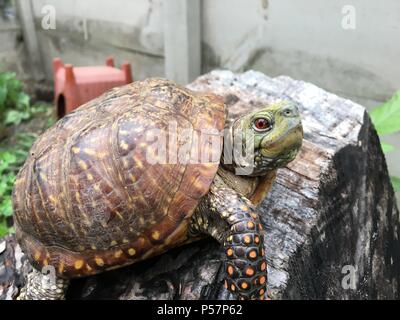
89 177
61 267
99 261
155 235
97 187
52 199
75 150
113 243
139 163
124 145
90 152
93 247
101 155
45 262
119 215
83 164
88 267
132 177
118 253
124 132
125 240
37 255
78 264
131 251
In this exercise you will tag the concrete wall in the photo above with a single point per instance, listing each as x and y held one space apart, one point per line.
88 31
303 39
12 51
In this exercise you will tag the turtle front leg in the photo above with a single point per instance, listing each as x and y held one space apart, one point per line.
43 287
233 221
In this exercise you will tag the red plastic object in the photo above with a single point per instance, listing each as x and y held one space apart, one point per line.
73 86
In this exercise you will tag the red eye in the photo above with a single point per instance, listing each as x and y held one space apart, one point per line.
262 124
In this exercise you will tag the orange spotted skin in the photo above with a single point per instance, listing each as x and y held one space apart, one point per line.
87 200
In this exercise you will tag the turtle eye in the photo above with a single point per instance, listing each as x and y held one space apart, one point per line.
262 124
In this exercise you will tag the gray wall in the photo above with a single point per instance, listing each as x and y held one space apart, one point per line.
303 39
88 31
12 51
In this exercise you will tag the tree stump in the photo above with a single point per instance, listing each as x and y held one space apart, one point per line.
331 222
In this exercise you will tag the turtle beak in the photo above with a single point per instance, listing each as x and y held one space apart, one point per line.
291 140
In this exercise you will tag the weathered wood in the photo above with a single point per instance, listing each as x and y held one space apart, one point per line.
332 207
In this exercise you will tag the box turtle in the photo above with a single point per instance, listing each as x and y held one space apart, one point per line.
124 178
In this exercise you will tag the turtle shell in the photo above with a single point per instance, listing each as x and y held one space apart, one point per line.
96 192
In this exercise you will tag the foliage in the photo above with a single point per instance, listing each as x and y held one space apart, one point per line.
15 108
11 159
386 119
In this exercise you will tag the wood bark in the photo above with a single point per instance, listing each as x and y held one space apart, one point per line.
331 222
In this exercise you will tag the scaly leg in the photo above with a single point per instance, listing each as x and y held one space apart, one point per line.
232 220
43 287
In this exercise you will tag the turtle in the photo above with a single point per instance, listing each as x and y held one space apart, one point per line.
119 180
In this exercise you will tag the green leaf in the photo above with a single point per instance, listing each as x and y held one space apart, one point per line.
6 207
3 229
23 101
16 117
386 118
396 183
386 147
3 95
6 158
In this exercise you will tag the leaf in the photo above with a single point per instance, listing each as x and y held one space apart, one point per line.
386 118
6 158
396 183
3 228
386 147
16 117
23 101
3 95
6 207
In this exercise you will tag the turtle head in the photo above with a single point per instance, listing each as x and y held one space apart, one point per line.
271 136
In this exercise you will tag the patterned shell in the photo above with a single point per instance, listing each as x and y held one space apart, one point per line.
88 200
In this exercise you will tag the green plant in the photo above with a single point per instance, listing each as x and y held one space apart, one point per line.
11 159
15 107
15 104
386 119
